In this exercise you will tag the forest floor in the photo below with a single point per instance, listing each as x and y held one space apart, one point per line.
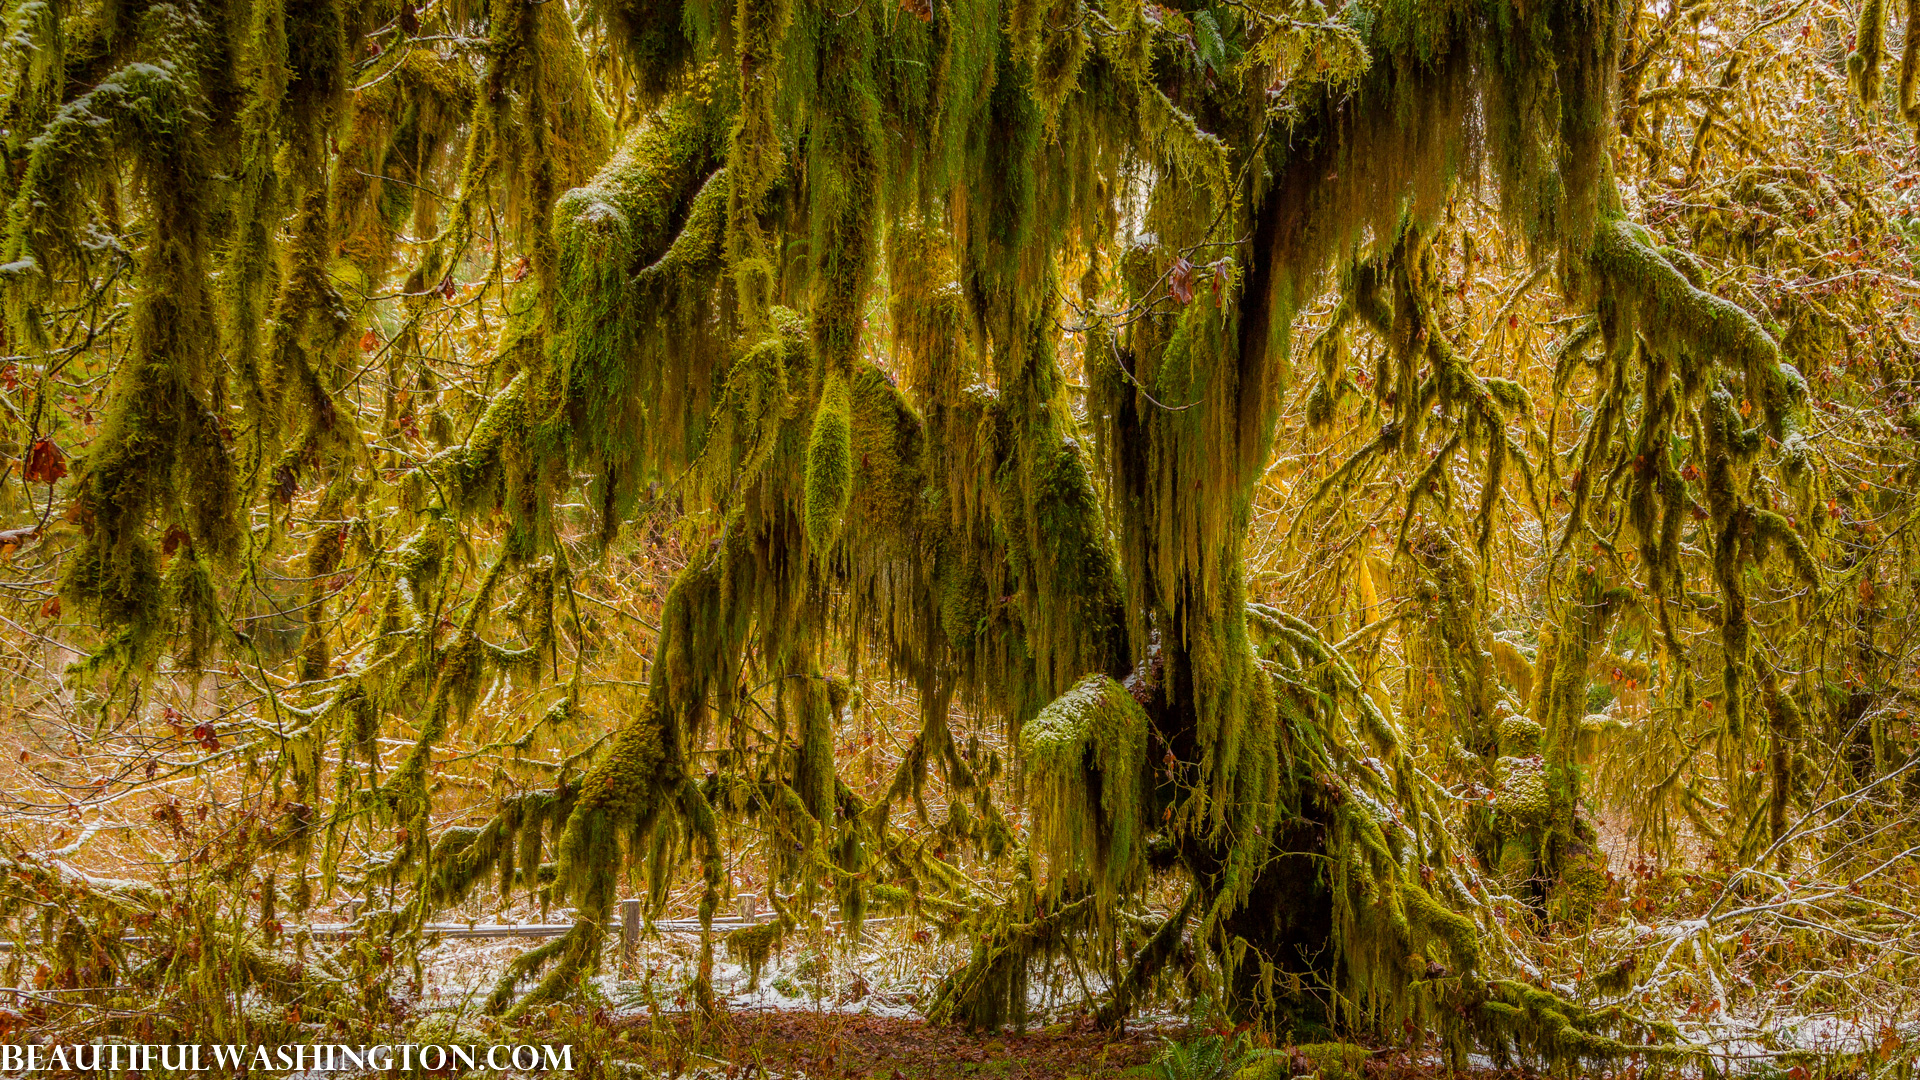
852 1046
846 1046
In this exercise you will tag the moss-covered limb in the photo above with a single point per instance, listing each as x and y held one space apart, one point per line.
1677 316
610 328
1347 473
702 827
1515 1018
1869 52
572 955
1146 964
495 467
1378 730
829 477
1454 657
36 59
306 325
1554 831
662 40
844 173
752 945
755 158
1728 447
161 455
1427 479
990 991
933 743
507 847
640 786
1621 345
460 668
400 122
537 127
324 550
1786 771
297 76
1909 92
150 108
191 939
1086 756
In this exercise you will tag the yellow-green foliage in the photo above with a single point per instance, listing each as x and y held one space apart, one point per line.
895 469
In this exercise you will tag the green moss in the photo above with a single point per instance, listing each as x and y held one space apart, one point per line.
633 352
1869 48
1521 792
1520 736
1909 91
1335 1061
161 457
1678 317
829 478
751 945
1085 755
1582 886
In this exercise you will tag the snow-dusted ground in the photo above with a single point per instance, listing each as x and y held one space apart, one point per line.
891 971
894 967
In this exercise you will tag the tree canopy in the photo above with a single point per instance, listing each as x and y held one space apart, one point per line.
1299 466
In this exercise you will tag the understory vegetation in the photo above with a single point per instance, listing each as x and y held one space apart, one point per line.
1387 532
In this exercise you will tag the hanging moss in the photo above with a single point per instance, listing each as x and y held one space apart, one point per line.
1084 753
161 455
627 408
1909 90
752 945
829 483
400 124
1869 48
322 559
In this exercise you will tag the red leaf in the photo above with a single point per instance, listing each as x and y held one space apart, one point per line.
520 268
286 483
448 290
1180 281
369 341
44 463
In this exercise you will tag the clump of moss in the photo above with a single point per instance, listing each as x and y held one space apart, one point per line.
829 478
1869 48
1085 753
1520 736
1327 1060
1521 792
752 945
